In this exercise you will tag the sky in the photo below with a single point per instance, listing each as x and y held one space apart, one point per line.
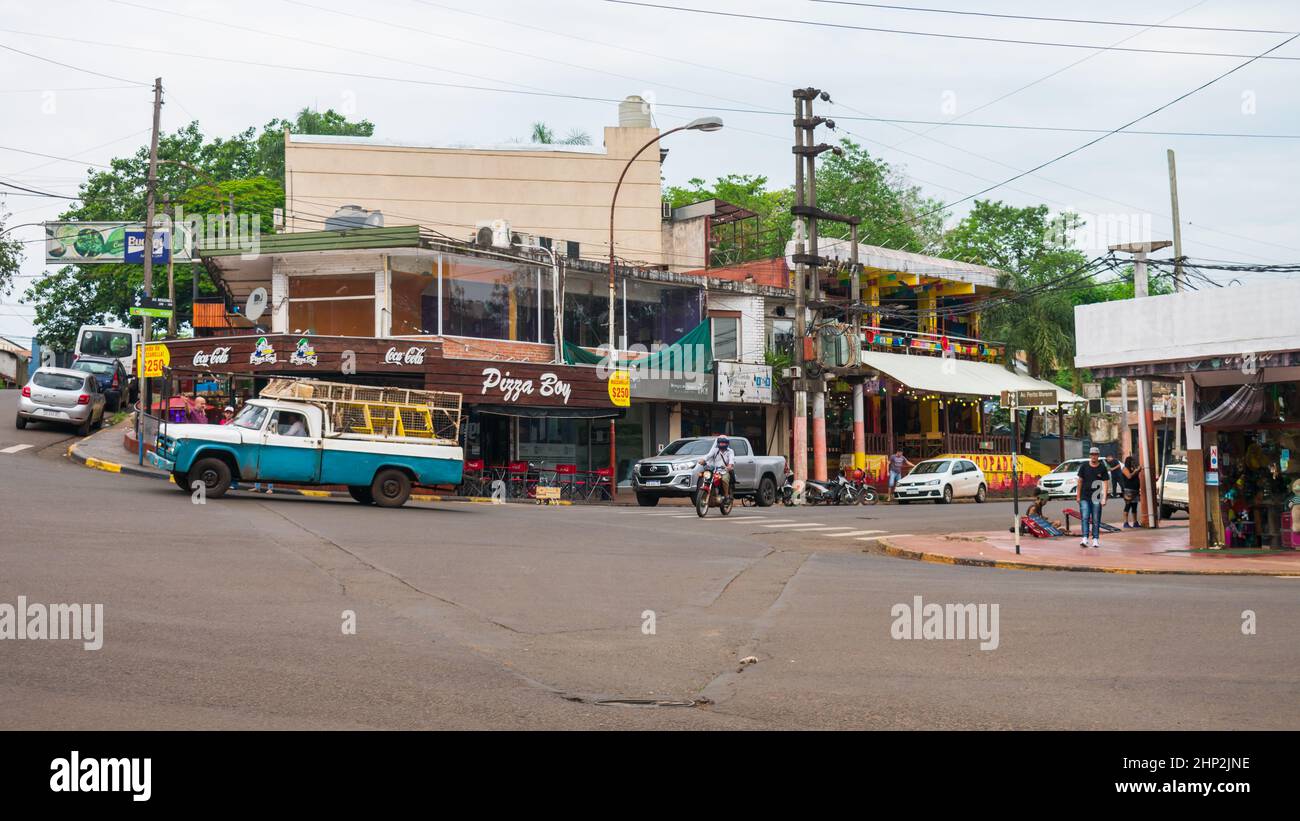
239 63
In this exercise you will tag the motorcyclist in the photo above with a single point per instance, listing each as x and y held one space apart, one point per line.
722 457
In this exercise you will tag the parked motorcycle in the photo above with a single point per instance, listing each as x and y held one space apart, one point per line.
709 493
866 492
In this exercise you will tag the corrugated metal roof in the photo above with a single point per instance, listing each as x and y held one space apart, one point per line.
396 236
904 262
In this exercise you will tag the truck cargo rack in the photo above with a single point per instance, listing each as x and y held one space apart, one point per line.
402 413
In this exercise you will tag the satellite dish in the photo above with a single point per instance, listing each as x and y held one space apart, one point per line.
256 304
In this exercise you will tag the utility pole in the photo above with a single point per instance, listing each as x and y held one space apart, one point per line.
146 336
1178 279
800 432
1146 426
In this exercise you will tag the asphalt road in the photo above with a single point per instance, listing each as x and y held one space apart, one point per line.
229 615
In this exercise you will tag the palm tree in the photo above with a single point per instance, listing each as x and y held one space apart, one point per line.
543 134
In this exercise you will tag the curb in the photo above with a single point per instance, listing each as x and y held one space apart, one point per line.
885 548
132 470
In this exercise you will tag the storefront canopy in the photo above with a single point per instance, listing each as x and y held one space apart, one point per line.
958 376
528 412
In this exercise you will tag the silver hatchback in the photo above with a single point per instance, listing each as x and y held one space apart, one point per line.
63 396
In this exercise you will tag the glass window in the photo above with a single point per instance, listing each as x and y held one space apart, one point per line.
289 423
586 310
782 340
336 317
415 298
490 299
331 287
251 417
740 446
58 381
689 447
104 343
91 366
726 338
931 467
659 314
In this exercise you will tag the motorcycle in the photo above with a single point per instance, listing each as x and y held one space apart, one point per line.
820 493
708 493
866 492
787 490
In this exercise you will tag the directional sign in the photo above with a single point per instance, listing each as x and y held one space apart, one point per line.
157 313
1028 399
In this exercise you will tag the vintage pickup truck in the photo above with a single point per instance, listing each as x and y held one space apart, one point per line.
309 441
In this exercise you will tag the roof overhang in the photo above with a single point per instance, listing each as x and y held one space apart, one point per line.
959 376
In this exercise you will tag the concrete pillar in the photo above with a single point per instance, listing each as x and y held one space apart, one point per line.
675 422
800 455
819 435
1198 512
859 429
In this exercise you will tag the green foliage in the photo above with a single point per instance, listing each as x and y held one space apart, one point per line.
199 174
749 191
10 256
269 145
1029 248
543 135
895 214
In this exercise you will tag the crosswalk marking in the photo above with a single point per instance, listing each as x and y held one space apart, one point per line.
853 533
825 529
798 524
14 448
753 518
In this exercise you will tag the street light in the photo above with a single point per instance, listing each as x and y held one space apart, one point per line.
700 124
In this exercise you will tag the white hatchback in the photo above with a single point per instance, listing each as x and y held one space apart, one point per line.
942 480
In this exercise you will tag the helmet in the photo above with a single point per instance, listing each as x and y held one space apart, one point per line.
723 440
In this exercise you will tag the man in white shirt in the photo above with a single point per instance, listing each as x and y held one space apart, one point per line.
722 457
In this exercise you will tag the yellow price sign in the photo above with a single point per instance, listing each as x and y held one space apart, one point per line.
620 389
151 359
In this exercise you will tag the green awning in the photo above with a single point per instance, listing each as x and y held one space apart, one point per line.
693 353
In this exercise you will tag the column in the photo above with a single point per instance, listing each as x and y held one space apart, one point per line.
819 435
1198 511
859 429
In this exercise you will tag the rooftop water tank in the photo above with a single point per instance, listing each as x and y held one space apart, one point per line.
354 216
634 112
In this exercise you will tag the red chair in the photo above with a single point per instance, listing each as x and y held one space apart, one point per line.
471 482
601 484
566 476
517 479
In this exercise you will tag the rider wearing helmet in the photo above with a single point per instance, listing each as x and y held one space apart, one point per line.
722 457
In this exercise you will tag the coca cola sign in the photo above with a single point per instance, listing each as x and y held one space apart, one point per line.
411 356
218 356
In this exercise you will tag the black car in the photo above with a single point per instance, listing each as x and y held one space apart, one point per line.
112 378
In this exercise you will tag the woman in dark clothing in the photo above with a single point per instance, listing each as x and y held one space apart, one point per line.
1132 488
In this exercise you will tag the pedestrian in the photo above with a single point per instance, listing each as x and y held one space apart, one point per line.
897 464
1116 477
1132 476
227 415
1090 493
198 414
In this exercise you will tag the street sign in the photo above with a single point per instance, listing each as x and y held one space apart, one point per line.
1028 399
151 359
620 389
157 313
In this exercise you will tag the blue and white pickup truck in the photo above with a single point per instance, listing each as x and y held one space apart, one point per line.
295 441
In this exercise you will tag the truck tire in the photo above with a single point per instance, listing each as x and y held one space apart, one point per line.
1166 512
362 494
182 480
213 473
391 488
646 500
766 496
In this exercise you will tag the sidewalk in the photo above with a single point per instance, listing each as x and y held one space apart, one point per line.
1163 550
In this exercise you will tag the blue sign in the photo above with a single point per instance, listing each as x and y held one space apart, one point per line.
134 250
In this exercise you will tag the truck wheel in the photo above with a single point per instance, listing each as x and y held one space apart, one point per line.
362 494
1166 512
766 492
646 500
391 488
213 473
182 480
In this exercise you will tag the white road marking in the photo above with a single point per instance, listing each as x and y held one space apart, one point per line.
752 518
854 533
15 448
874 538
798 524
824 529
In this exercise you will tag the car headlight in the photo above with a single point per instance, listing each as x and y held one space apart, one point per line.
931 482
679 466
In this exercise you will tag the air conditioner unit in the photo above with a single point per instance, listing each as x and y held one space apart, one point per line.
493 233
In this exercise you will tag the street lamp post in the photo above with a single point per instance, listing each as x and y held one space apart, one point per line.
701 124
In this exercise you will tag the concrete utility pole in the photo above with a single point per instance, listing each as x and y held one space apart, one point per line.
1178 281
1146 426
800 431
151 188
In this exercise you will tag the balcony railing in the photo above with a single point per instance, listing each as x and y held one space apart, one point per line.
895 341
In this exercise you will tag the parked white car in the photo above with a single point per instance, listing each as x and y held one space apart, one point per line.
1174 487
1063 479
942 480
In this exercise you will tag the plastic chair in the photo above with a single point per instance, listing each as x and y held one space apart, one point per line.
517 479
471 481
566 476
601 484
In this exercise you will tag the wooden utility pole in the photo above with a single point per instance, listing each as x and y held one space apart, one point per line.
151 188
1178 280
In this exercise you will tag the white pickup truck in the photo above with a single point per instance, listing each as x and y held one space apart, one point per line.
673 471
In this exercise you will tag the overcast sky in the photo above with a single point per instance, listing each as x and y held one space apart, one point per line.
1239 194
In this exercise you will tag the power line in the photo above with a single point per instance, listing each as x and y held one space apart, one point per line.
1001 40
1050 19
69 65
34 192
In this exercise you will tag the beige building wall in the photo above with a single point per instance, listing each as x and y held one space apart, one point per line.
554 191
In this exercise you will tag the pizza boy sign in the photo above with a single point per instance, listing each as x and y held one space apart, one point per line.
511 388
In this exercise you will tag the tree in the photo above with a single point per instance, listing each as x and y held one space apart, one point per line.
270 143
749 191
10 257
199 174
894 212
543 134
1039 271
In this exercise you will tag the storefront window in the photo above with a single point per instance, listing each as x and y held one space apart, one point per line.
415 297
586 310
659 314
340 305
489 299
